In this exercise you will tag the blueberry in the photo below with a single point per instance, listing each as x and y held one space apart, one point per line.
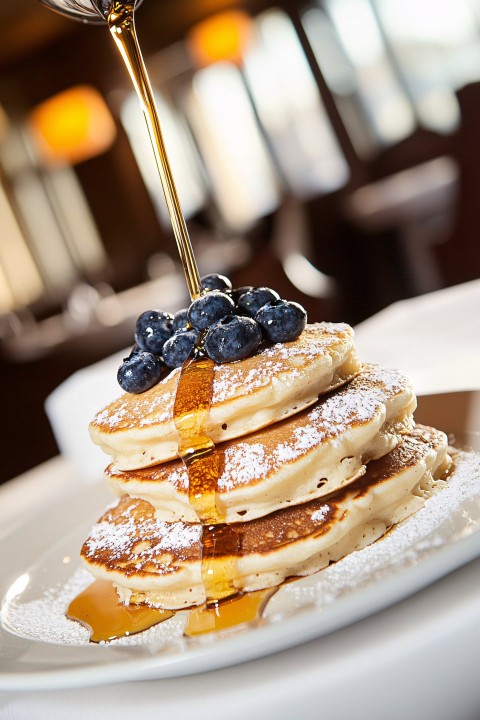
209 308
232 338
153 328
214 281
139 372
180 320
252 300
235 294
281 320
177 348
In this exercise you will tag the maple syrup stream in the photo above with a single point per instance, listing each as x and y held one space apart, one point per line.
97 606
121 23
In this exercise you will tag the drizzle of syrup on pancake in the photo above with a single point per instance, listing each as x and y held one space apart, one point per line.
95 606
221 545
197 450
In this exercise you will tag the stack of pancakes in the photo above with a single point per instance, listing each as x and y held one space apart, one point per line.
314 455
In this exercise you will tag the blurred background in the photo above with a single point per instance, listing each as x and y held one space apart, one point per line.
329 149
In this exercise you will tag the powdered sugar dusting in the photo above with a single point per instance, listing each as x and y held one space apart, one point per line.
320 514
44 618
244 463
315 342
129 411
130 534
361 401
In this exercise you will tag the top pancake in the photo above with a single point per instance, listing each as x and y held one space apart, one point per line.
139 430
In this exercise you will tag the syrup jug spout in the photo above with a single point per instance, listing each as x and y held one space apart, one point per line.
89 11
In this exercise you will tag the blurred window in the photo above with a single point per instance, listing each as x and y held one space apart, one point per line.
436 44
181 154
385 101
242 126
48 238
20 281
392 65
239 168
341 77
290 109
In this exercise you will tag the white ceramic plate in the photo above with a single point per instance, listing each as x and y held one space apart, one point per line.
39 648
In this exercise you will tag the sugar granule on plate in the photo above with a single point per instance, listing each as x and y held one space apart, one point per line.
44 619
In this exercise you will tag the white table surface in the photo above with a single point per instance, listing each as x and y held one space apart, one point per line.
417 659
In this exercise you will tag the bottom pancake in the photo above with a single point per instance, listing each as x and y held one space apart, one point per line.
160 563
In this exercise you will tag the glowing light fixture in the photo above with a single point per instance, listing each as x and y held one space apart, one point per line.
223 37
73 126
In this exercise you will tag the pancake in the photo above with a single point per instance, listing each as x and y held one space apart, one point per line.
160 563
139 430
311 454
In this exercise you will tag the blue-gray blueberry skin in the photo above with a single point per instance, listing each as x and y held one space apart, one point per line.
180 320
177 348
235 294
232 338
139 372
250 302
281 320
153 329
215 281
208 308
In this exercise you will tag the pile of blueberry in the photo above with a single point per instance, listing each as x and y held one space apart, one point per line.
228 324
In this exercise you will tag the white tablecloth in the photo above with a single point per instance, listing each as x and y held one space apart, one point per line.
434 339
417 659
